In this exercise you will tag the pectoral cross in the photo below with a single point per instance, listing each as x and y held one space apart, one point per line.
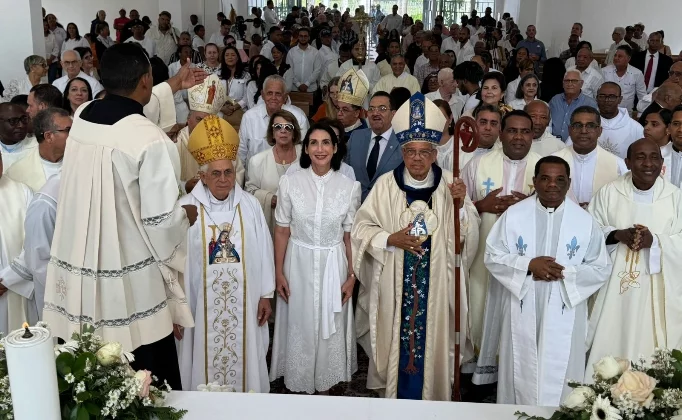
488 184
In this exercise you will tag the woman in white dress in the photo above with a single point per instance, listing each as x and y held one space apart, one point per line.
235 76
268 166
527 91
313 270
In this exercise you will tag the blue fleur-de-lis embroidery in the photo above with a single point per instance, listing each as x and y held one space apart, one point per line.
572 248
521 247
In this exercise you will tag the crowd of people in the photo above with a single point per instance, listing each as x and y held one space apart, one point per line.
182 192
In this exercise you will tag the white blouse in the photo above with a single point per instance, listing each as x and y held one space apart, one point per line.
236 89
70 44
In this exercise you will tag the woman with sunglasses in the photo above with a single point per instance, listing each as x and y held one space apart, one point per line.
268 166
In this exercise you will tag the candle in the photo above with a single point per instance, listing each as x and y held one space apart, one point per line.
32 374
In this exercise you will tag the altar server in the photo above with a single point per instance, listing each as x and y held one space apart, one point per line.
640 213
404 260
547 257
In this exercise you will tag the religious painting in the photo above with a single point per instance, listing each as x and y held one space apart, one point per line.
211 93
221 250
347 85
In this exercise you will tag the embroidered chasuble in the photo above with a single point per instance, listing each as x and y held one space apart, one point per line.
229 269
539 327
639 308
482 175
606 167
13 205
405 315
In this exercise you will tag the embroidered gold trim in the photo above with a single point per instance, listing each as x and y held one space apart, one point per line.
203 252
243 257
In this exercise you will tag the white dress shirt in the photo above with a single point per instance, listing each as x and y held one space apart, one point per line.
70 44
51 168
270 18
382 144
107 42
266 49
612 51
464 53
510 93
652 79
571 63
676 168
456 102
327 55
236 89
51 47
592 81
631 84
147 43
392 22
59 38
197 43
165 44
306 66
95 85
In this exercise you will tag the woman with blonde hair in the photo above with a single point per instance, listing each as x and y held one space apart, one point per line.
267 167
330 106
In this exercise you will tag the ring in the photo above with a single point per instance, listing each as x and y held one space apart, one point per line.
411 247
547 275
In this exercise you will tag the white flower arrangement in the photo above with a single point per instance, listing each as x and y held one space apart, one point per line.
626 391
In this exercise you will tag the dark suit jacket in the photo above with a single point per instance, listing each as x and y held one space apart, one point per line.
664 64
651 109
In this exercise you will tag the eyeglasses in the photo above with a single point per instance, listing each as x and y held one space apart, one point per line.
381 109
607 98
218 174
590 127
66 130
72 63
424 154
672 73
572 81
16 120
286 127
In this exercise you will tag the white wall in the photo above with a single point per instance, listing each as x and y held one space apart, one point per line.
20 22
82 12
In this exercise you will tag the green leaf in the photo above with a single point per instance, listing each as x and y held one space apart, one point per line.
677 354
92 408
83 396
79 412
78 368
64 363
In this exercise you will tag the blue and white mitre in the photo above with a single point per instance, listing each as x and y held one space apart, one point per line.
419 119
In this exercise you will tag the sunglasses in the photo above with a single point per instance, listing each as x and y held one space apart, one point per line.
286 127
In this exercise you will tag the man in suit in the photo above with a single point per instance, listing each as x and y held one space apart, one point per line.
668 96
374 151
652 63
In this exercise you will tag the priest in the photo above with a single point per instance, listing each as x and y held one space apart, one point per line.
592 166
546 257
544 142
640 213
14 142
230 271
672 152
119 193
495 181
404 260
201 105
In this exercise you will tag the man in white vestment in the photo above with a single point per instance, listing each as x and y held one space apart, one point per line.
619 130
404 260
230 271
397 78
204 100
119 191
71 63
591 165
254 126
14 291
495 181
547 257
359 61
14 144
447 90
672 152
640 213
51 127
544 142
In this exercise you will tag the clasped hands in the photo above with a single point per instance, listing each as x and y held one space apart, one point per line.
496 204
545 269
636 238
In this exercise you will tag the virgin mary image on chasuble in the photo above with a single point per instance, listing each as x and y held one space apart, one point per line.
222 250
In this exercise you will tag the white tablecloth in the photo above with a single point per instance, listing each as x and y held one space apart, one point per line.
237 406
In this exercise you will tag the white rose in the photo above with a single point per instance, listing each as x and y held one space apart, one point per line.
577 400
607 368
109 354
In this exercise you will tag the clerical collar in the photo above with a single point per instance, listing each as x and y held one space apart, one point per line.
354 126
507 158
417 184
585 158
423 194
550 209
213 201
111 109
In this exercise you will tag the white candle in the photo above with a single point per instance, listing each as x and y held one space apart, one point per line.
32 375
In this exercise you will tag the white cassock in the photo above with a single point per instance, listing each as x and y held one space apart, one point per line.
590 172
639 309
483 174
225 278
542 324
389 82
384 273
31 264
547 144
314 345
263 180
672 165
13 304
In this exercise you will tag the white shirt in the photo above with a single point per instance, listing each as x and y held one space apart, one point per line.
592 81
420 61
95 85
254 127
455 102
583 174
329 73
51 47
571 63
382 144
510 93
270 18
147 43
266 49
197 43
631 84
612 51
51 168
449 43
59 38
327 55
392 22
107 42
305 66
652 78
70 44
675 167
464 53
236 88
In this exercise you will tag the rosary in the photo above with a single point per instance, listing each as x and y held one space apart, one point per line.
628 278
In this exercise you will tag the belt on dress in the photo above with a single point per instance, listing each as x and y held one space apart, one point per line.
331 287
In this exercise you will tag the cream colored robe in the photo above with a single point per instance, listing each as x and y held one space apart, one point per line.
29 170
380 272
389 82
633 315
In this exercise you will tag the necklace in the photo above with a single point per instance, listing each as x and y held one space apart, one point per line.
277 157
229 230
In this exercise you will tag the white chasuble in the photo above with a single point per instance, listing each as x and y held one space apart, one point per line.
483 175
672 165
13 204
229 269
539 326
607 167
639 309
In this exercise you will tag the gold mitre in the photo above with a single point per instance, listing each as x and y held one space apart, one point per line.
213 139
208 96
353 87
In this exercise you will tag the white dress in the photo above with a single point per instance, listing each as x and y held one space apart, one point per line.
318 210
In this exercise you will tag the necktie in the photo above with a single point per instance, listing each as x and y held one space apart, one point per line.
649 70
373 158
